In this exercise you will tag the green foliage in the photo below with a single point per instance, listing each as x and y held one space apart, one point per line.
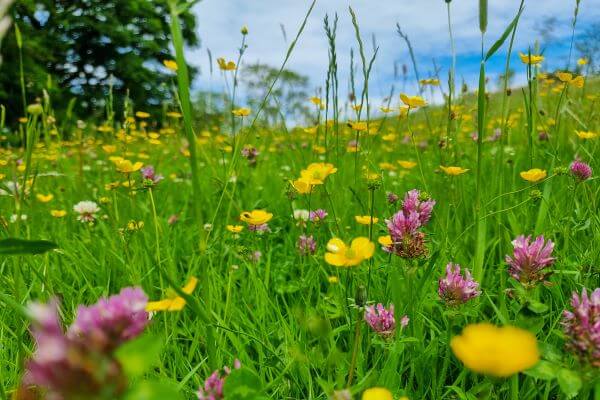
73 48
12 246
138 356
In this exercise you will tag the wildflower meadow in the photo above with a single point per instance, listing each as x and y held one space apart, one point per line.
421 236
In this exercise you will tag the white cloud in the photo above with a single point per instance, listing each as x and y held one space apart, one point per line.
425 21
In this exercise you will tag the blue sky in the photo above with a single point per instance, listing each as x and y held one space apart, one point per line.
425 21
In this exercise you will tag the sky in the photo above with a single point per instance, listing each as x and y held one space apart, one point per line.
424 21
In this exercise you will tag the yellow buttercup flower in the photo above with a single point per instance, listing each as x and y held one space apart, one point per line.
171 65
407 164
109 148
358 125
341 255
225 65
316 101
377 393
365 219
316 173
173 302
44 198
413 101
241 112
235 228
303 185
496 351
385 241
333 279
533 175
582 61
586 134
568 78
127 167
531 59
142 114
256 217
453 171
58 213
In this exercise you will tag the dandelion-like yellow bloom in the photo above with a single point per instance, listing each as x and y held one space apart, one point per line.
407 164
358 125
142 115
235 228
496 351
256 217
127 167
533 175
341 255
586 135
241 112
413 101
44 198
171 65
173 302
366 219
531 59
58 213
453 171
377 393
225 65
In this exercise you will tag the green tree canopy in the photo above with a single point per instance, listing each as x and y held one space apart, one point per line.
72 48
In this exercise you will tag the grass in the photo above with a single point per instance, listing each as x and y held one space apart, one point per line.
283 316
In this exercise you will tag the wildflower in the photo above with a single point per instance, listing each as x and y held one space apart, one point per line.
114 320
407 164
255 256
413 101
257 219
87 211
455 289
171 65
14 218
225 65
567 77
316 101
244 30
586 134
306 245
235 228
359 126
317 215
250 153
341 255
318 172
142 115
173 302
582 326
533 175
58 213
381 320
582 61
404 321
430 81
44 198
531 59
392 198
497 351
66 366
580 170
213 385
133 225
173 219
377 393
403 227
333 279
529 260
366 219
341 395
149 176
453 171
127 167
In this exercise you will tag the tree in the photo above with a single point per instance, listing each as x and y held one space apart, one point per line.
81 46
588 45
289 97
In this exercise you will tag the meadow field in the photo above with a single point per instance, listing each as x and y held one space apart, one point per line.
441 243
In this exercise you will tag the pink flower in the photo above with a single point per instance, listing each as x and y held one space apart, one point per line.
149 176
455 289
114 320
381 320
529 261
317 215
580 170
213 385
582 326
306 245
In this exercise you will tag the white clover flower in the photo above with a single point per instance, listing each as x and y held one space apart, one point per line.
87 211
